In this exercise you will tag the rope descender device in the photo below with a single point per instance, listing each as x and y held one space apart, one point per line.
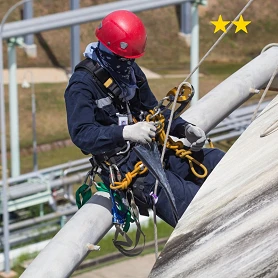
185 95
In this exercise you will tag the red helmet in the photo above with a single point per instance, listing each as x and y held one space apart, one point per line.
123 33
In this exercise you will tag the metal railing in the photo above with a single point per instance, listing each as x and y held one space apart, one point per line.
37 187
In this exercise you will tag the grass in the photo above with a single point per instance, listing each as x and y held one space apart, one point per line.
51 158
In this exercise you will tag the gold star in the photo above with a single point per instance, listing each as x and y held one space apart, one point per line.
220 24
241 24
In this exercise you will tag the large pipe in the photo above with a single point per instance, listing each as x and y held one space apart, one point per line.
232 92
72 243
230 228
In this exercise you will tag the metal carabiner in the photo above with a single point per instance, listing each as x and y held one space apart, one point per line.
112 173
126 149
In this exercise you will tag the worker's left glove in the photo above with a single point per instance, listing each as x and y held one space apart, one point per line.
195 137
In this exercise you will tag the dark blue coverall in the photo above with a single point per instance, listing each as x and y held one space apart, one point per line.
93 127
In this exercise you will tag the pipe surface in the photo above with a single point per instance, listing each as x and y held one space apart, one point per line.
69 246
216 105
230 228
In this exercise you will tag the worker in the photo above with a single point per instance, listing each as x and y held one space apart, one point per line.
107 99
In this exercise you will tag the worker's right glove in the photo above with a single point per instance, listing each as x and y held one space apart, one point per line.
141 132
195 137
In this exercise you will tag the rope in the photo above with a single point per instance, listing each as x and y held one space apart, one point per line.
269 46
177 147
270 129
139 169
268 85
178 90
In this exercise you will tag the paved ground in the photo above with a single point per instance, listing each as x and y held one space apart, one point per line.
138 267
52 75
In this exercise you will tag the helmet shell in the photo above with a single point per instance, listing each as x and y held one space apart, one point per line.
123 33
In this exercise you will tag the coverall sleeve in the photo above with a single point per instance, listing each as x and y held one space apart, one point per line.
85 131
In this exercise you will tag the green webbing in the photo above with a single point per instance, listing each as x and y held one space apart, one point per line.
86 193
100 186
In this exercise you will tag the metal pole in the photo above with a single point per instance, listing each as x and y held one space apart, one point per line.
4 147
4 165
13 104
75 38
186 18
194 51
34 126
27 14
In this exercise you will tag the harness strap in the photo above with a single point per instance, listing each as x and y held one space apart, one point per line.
84 192
101 76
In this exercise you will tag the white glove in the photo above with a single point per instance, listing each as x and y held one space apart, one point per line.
195 137
141 132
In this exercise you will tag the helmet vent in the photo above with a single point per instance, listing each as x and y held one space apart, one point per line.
123 45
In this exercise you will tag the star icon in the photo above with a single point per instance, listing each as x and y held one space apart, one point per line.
220 24
241 24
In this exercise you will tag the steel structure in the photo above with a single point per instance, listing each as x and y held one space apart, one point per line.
79 16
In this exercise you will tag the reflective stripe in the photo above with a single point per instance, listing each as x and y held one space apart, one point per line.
103 102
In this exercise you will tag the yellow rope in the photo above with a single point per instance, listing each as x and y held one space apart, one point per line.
139 169
176 146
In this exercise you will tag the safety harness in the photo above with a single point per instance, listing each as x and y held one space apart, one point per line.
124 209
101 77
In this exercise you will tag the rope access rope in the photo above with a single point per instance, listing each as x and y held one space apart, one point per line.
268 84
173 109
